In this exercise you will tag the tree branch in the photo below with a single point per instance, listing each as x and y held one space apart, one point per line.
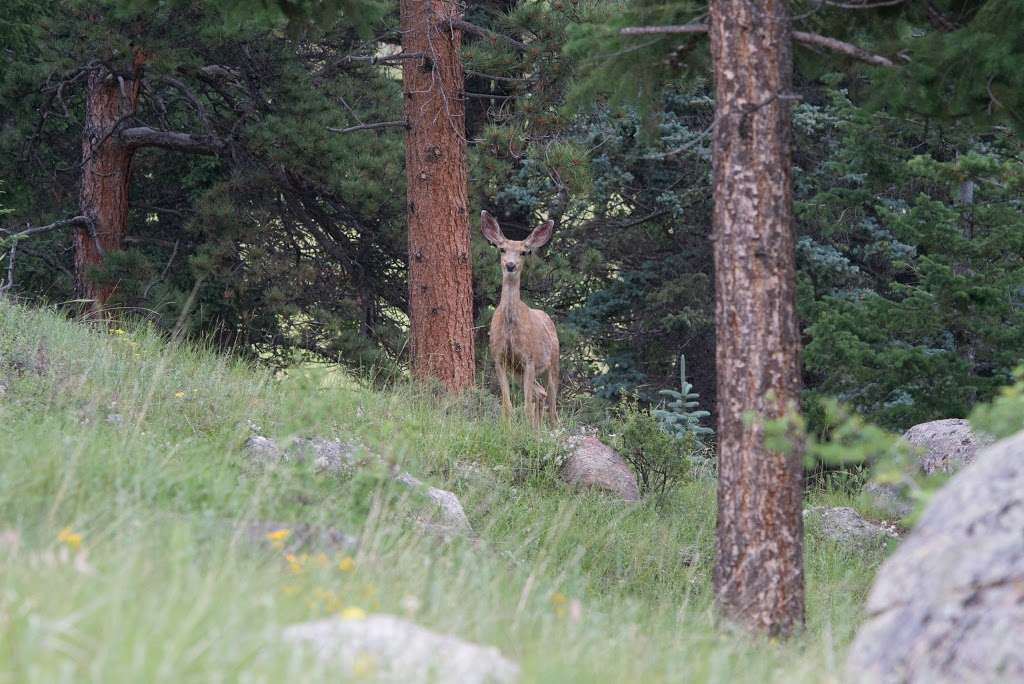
481 32
63 223
370 126
802 37
15 237
144 136
503 79
848 49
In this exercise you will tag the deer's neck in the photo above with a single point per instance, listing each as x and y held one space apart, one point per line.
510 303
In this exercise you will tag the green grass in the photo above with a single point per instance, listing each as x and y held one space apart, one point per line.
136 445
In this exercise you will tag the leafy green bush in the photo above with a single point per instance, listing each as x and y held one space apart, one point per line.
659 458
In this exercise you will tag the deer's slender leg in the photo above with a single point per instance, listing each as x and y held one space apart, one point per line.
529 395
506 394
553 381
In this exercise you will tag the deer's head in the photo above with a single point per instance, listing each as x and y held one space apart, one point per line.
514 252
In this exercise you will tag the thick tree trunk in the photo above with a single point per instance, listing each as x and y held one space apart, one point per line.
440 276
106 174
758 565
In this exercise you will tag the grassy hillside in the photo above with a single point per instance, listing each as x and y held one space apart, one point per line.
125 492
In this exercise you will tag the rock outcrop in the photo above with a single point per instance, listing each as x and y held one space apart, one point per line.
445 516
846 526
330 456
940 446
591 464
448 519
948 605
384 647
945 445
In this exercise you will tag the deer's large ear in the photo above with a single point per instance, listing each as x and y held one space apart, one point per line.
540 235
490 228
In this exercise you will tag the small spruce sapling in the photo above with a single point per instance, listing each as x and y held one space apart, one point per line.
679 418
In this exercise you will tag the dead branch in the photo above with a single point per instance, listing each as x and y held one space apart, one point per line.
490 96
381 59
14 238
802 37
371 126
503 79
64 223
866 4
481 32
144 136
192 98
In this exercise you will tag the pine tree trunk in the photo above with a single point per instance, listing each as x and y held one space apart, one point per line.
440 276
758 574
106 174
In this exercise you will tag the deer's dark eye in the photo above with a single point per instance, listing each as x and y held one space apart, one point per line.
525 253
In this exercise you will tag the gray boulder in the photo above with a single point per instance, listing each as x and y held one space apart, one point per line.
263 451
393 649
591 464
448 519
445 517
940 446
327 455
948 605
844 525
945 445
892 499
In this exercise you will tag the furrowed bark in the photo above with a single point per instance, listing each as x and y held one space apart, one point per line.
758 576
106 175
440 277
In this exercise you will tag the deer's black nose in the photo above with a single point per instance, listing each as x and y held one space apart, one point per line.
510 268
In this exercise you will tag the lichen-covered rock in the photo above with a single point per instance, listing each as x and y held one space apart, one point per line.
444 517
393 649
846 526
948 605
945 445
591 464
263 451
327 455
941 446
892 499
448 519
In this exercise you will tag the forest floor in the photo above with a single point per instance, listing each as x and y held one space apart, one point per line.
126 493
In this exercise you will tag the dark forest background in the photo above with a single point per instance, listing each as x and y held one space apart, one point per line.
290 244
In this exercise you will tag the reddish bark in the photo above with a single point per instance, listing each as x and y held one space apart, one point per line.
440 276
106 175
758 574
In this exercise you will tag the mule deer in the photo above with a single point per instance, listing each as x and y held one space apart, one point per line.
523 340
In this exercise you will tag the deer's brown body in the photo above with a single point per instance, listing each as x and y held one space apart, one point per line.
523 341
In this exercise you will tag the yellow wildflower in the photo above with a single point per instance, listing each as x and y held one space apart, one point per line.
347 564
559 601
352 613
179 395
73 540
118 331
294 564
278 537
365 665
330 600
290 589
